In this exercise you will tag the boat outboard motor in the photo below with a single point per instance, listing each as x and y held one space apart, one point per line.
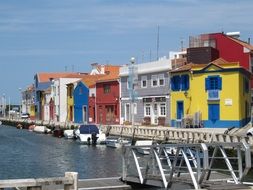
94 138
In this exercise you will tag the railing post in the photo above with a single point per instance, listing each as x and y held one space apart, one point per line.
74 176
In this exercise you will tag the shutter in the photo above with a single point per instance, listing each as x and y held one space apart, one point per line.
219 83
207 83
186 82
172 83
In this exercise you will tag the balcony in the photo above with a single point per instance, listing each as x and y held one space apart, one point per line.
213 95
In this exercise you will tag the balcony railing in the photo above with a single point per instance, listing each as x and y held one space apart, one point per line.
213 94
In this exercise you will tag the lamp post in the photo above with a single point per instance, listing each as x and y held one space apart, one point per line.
3 105
20 108
131 87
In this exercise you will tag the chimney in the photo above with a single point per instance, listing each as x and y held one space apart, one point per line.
102 70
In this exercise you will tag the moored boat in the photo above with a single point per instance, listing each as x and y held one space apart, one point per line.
58 132
144 146
69 133
117 143
41 129
90 134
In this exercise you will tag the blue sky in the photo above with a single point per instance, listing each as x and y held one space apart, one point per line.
52 35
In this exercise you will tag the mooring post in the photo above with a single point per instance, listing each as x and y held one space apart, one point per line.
74 176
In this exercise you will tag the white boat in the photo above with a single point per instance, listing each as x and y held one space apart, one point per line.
146 149
41 129
69 134
90 134
117 143
0 122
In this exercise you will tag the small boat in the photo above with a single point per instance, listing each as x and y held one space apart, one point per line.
58 132
0 122
69 134
41 129
146 149
117 143
90 134
31 127
19 126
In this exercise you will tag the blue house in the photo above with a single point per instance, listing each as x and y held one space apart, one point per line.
81 101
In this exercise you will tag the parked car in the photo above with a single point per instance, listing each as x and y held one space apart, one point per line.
25 115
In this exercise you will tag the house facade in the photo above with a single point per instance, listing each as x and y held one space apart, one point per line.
28 96
214 95
107 97
226 46
151 104
81 100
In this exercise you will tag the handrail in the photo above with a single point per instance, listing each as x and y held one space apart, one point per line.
190 159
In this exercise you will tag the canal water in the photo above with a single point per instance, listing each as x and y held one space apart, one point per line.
25 154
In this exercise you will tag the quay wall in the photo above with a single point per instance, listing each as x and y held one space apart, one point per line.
177 135
160 134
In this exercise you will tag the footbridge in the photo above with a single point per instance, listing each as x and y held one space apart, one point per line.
193 166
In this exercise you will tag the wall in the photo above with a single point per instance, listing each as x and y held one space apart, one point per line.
81 98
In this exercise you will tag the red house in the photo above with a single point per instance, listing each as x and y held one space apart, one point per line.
227 46
107 97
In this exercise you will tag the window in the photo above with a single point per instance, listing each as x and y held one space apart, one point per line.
107 89
185 82
162 109
161 79
213 112
154 81
213 83
144 82
175 83
147 109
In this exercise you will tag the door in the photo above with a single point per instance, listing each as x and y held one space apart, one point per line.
213 112
109 114
127 112
71 113
154 116
180 110
85 114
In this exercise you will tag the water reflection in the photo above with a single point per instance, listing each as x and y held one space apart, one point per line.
25 155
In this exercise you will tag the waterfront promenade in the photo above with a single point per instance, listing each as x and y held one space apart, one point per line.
157 133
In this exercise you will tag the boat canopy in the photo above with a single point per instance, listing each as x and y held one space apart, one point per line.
88 129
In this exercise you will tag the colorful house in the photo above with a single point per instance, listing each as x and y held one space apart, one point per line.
151 105
81 100
214 95
28 101
220 45
107 97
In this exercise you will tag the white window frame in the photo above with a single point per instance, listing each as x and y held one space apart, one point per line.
145 107
144 78
160 109
161 76
154 78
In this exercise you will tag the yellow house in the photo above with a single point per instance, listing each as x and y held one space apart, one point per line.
70 101
213 95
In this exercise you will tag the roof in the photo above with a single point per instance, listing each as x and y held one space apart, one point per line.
45 77
220 63
244 44
90 80
111 74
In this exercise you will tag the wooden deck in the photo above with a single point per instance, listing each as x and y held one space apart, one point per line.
102 183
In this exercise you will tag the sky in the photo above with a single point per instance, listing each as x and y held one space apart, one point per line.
70 35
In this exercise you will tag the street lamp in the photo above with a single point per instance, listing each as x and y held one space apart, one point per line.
3 105
131 86
20 108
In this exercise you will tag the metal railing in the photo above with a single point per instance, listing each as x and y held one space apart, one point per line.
195 163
